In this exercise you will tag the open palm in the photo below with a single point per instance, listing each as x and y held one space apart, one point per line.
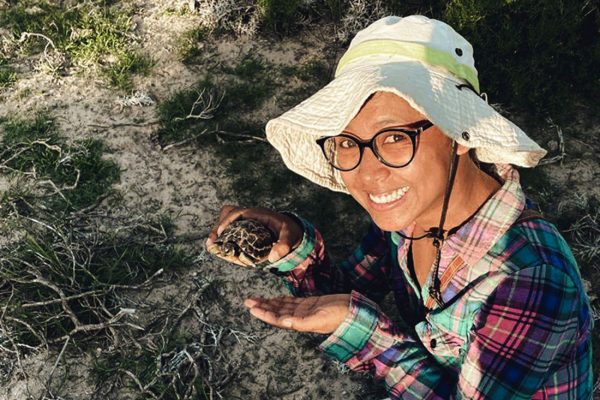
319 314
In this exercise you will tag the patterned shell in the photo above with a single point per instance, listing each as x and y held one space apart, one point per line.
247 239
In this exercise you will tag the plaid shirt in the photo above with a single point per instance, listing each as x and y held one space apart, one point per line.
516 321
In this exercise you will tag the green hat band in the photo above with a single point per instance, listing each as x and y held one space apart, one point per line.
415 51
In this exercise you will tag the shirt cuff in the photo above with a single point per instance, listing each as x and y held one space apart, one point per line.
358 328
300 253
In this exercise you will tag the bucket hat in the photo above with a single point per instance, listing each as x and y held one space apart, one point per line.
422 60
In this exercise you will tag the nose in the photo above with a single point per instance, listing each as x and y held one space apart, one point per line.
371 169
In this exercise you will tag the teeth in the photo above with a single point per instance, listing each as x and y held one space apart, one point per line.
386 198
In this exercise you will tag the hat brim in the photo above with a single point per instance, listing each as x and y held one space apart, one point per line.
433 93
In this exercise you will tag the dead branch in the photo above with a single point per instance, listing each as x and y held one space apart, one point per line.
27 35
206 103
112 126
249 138
185 141
67 298
60 355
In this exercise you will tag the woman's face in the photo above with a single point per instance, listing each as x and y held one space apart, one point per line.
378 188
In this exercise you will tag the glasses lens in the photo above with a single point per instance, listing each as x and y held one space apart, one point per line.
342 152
395 147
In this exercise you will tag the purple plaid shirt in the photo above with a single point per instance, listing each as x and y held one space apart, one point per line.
516 321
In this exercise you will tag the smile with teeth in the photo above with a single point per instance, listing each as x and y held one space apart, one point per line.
389 197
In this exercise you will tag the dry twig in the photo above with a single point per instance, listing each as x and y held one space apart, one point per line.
207 105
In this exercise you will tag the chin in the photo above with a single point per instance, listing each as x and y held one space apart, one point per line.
396 218
389 223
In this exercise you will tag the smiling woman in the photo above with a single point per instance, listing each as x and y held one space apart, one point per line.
491 301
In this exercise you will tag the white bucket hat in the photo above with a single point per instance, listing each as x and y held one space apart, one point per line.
424 61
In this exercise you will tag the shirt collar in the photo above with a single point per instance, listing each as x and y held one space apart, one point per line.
477 236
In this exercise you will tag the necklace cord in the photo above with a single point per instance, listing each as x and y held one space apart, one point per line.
438 238
438 233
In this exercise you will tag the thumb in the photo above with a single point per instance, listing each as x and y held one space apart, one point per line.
278 251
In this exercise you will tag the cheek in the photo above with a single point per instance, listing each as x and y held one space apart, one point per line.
351 181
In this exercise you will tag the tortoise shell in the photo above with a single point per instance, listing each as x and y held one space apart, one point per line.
245 242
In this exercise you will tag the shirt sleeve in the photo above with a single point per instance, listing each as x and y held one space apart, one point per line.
309 271
526 329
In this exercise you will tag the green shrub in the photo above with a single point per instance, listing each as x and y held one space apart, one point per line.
188 49
7 76
539 54
278 14
335 9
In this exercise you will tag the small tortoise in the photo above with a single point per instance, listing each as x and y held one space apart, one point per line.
244 242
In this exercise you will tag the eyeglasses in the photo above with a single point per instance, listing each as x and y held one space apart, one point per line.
394 147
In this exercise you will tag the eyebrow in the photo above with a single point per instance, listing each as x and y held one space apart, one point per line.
391 121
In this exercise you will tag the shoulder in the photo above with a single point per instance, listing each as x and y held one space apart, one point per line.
535 250
534 242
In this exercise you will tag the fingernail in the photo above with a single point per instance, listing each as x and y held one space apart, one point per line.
219 230
209 241
287 323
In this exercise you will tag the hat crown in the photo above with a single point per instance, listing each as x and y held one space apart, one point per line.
418 30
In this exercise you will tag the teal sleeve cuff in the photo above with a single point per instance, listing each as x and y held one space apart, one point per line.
300 253
355 331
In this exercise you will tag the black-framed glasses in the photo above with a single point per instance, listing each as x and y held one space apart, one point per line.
394 147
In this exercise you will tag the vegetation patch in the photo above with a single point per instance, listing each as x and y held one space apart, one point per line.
65 280
213 106
177 362
8 74
313 75
190 46
71 269
52 174
93 34
278 14
527 56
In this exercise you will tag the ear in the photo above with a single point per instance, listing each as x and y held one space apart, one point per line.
460 149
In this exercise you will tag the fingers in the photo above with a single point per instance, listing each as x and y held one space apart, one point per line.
280 312
228 214
276 311
279 250
279 305
290 235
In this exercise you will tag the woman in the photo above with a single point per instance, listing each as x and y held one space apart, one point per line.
490 297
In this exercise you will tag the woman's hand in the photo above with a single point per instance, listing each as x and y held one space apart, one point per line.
319 314
289 233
